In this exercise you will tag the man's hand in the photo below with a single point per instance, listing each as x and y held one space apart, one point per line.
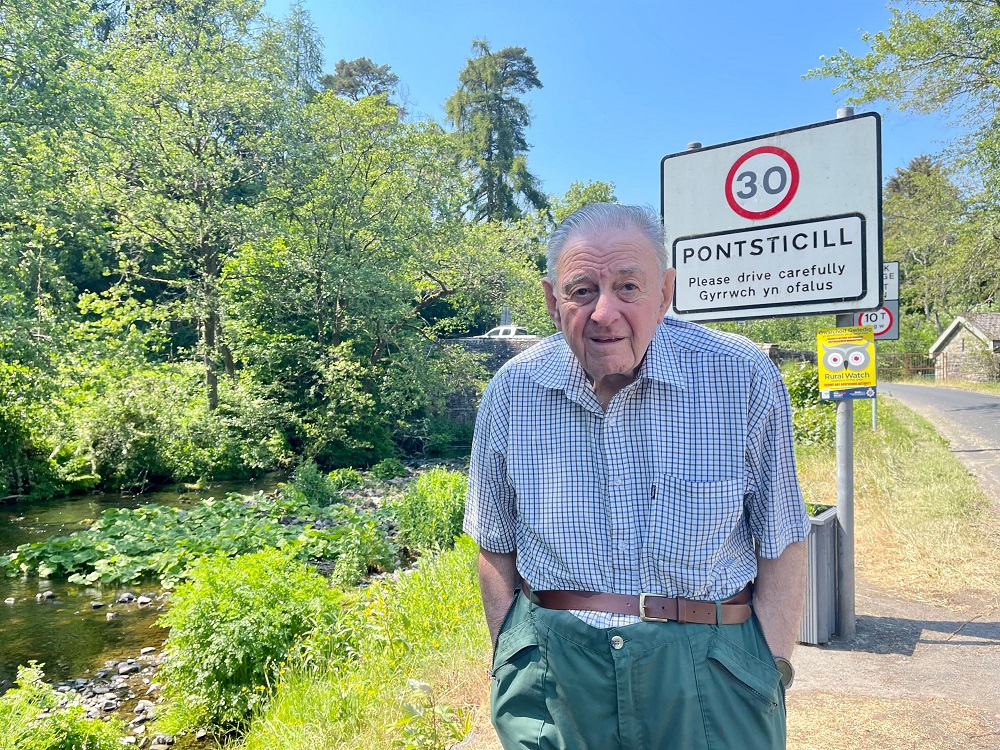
498 578
778 595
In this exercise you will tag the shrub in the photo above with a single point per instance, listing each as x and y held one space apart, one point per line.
23 726
232 626
813 419
346 479
388 468
311 486
430 514
802 380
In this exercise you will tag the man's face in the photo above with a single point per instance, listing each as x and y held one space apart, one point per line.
607 301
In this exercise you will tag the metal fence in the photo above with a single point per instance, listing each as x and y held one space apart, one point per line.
905 366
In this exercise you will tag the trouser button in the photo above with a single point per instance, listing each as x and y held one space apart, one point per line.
617 642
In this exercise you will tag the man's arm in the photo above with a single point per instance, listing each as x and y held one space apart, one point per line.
778 596
498 577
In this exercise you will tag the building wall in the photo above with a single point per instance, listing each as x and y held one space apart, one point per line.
966 357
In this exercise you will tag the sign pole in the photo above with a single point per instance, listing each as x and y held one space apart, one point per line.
846 624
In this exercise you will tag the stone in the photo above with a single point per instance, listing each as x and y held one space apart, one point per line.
109 705
96 605
163 739
130 740
155 687
10 600
126 668
101 689
147 650
126 598
200 735
110 616
143 706
144 600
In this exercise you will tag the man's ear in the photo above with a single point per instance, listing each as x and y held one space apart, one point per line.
551 303
669 276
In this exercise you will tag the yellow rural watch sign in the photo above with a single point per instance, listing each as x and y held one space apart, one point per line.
846 358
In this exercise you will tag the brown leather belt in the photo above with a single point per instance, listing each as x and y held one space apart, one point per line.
648 607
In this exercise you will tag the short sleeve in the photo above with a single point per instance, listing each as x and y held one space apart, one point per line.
775 508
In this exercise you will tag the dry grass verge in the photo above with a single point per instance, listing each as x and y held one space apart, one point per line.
839 721
921 527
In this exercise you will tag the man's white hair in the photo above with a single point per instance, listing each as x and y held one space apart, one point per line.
596 218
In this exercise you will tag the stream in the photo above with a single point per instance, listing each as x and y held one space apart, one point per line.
67 634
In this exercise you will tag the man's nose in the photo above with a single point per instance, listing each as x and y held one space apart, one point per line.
605 309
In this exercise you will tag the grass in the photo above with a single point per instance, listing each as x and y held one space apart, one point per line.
922 530
426 626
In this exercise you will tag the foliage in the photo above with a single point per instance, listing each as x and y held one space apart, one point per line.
29 719
347 478
231 627
310 486
125 545
129 429
579 195
813 420
344 693
356 79
388 468
430 513
490 121
427 724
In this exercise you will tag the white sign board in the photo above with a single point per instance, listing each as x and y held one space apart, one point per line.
782 224
890 280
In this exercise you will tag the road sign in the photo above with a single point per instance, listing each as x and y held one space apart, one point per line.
845 359
890 280
884 321
783 224
762 182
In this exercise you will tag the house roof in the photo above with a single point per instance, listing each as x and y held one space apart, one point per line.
984 326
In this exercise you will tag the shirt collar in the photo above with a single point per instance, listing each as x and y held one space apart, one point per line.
562 371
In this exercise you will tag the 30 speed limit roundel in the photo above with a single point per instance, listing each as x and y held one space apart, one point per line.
762 182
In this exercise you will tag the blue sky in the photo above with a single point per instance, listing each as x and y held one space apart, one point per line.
627 83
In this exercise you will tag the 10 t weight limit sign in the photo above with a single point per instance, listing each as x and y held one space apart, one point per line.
762 182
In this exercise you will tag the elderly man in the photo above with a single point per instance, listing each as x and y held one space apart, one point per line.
632 489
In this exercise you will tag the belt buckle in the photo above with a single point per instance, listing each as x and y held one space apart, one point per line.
642 609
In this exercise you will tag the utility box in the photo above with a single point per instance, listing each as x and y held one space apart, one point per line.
819 616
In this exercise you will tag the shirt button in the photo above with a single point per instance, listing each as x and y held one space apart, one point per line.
617 642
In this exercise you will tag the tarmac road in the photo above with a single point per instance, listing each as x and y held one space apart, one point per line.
970 422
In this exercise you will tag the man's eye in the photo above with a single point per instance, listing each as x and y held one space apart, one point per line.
581 293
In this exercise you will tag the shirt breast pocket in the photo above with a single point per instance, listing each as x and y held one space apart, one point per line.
689 523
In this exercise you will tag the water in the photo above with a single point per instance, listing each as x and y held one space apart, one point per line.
66 634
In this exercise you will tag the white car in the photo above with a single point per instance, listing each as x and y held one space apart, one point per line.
504 332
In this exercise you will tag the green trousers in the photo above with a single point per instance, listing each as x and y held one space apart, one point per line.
559 684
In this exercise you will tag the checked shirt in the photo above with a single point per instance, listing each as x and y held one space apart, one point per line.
666 492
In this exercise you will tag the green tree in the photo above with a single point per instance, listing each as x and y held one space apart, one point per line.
490 119
580 195
199 92
356 79
923 213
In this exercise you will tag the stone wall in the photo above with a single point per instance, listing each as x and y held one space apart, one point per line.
462 406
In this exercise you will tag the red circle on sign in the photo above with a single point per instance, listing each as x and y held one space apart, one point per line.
793 182
888 312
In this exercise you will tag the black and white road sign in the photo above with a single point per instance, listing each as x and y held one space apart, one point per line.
783 224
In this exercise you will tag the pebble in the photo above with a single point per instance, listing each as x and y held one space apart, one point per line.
129 668
143 600
126 598
96 605
10 600
147 650
110 616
